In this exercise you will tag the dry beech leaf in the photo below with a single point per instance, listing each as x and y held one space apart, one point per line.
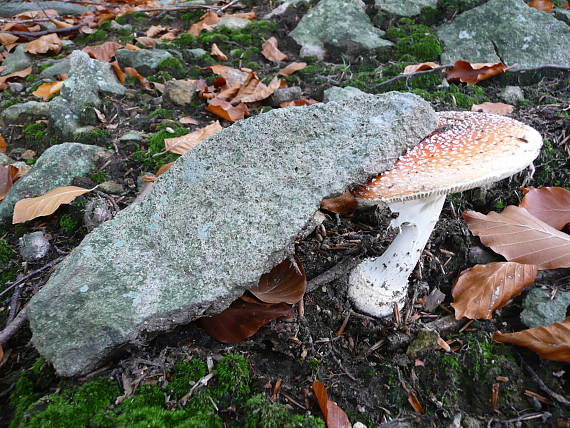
415 402
298 103
271 51
495 108
155 30
232 76
130 71
44 44
226 110
104 52
242 320
3 146
147 42
544 5
8 40
216 52
207 22
550 343
520 237
6 181
420 67
256 90
188 120
181 145
163 169
118 71
292 68
48 90
22 73
286 283
549 204
30 208
482 289
344 204
333 415
472 73
132 47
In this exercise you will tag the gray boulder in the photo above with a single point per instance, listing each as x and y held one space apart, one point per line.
145 61
508 31
225 213
61 67
336 93
539 309
17 61
336 22
57 166
15 113
404 7
64 8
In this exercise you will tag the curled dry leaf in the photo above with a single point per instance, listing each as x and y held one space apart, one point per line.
48 90
147 42
30 208
216 52
8 40
420 67
3 146
132 47
242 320
550 343
544 5
48 43
130 71
104 52
344 204
482 289
22 73
155 30
271 51
118 71
333 415
6 181
286 283
549 204
495 108
163 169
520 237
298 103
226 110
188 120
256 90
181 145
207 22
472 73
292 68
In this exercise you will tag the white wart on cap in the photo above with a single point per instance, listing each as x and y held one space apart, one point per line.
467 150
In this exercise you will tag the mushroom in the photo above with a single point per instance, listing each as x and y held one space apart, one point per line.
467 150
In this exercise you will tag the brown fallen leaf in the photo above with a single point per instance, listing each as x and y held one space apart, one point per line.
217 53
118 71
520 237
130 71
472 73
30 208
181 145
163 169
344 204
233 77
48 43
550 342
495 108
155 30
482 289
48 90
22 73
256 90
333 415
207 22
132 47
104 52
549 204
298 103
147 42
242 320
226 110
271 51
292 68
8 40
6 181
188 120
544 5
3 146
286 283
409 69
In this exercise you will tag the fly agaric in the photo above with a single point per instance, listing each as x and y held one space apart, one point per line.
467 150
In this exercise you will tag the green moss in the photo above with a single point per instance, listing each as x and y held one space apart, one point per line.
42 67
68 224
262 413
233 376
96 38
31 78
132 18
163 113
455 95
173 66
191 17
151 158
185 40
552 166
96 136
6 253
99 177
185 373
417 40
88 115
35 133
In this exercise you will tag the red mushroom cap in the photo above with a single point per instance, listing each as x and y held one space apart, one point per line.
467 150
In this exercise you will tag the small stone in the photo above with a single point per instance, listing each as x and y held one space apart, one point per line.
180 92
359 425
405 7
425 340
433 300
312 50
33 246
112 187
28 155
478 255
15 87
540 310
63 7
233 23
196 53
96 212
118 27
133 136
145 61
512 94
5 159
285 94
17 61
17 112
337 93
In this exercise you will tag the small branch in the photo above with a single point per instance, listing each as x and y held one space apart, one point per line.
29 275
555 396
411 75
31 35
14 326
341 268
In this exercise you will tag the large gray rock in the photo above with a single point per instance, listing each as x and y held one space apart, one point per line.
64 8
57 166
18 112
540 309
404 7
508 31
225 213
61 67
17 61
145 61
336 22
336 93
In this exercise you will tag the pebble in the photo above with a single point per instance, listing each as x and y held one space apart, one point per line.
33 246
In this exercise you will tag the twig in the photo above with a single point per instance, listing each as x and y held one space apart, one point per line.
411 75
555 396
526 417
109 198
14 326
14 304
29 275
333 273
31 35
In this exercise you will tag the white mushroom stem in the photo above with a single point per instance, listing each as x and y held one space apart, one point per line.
377 284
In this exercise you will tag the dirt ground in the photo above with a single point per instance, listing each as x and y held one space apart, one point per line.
367 364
